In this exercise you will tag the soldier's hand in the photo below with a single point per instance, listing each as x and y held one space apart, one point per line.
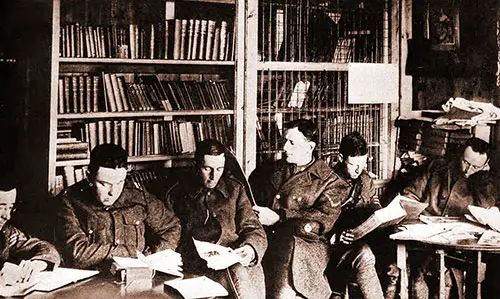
266 215
247 254
30 269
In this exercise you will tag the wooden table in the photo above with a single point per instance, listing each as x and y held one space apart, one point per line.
441 249
104 286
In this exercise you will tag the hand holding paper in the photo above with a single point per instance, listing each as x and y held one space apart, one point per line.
217 257
246 253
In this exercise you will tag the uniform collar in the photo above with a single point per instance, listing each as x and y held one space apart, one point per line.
199 189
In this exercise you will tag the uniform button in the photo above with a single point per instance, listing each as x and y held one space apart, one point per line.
277 196
137 222
294 197
117 242
208 193
308 228
214 215
90 231
299 199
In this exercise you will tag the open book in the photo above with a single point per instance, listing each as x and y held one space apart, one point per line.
45 281
399 208
199 287
166 261
489 217
217 257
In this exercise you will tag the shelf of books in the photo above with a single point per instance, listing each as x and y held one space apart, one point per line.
154 76
303 51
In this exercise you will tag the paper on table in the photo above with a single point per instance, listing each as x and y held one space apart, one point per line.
51 280
199 287
47 281
217 257
490 237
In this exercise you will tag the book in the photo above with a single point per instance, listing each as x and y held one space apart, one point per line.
484 216
398 209
203 35
198 287
218 257
165 261
490 237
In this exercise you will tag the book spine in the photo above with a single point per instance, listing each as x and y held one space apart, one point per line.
177 39
223 38
196 38
203 36
210 38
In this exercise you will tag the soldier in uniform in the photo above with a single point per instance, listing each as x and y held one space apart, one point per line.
213 206
297 203
105 215
354 259
31 254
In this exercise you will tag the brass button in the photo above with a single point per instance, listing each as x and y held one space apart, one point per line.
277 196
308 228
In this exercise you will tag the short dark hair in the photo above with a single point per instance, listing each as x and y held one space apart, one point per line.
211 147
306 126
478 145
8 182
352 145
107 155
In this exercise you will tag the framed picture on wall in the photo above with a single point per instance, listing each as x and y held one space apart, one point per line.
442 24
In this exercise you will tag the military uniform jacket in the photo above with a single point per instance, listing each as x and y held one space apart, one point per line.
90 233
24 247
307 200
448 192
225 209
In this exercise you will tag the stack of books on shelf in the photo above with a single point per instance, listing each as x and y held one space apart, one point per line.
69 147
422 137
184 39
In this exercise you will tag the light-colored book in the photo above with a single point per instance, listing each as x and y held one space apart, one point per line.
199 287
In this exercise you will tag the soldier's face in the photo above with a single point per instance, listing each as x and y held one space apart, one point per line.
473 162
7 201
355 165
109 184
211 170
297 147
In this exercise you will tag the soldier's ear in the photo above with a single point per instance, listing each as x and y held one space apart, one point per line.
312 144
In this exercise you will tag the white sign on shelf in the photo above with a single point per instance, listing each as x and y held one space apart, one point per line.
372 83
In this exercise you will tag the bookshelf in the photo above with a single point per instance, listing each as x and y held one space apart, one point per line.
298 53
154 76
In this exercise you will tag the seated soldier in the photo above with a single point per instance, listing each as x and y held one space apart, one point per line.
105 215
352 258
31 254
449 187
298 203
213 206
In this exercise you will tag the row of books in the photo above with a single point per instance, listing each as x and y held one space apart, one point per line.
83 92
191 39
294 31
312 90
149 137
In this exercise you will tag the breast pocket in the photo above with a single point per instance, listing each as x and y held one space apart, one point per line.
96 232
133 230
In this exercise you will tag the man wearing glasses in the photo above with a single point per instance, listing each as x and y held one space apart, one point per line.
449 186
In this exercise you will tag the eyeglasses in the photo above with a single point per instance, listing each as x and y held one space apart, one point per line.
468 165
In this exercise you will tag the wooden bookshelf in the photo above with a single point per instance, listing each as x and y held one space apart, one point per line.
299 54
103 57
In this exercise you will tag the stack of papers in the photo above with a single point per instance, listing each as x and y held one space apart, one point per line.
217 257
199 287
489 217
